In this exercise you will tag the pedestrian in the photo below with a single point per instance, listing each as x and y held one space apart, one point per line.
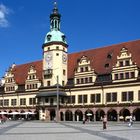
130 121
104 122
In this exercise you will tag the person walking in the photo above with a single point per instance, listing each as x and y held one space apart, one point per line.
104 122
130 121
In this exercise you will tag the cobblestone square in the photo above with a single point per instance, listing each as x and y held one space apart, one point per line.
37 130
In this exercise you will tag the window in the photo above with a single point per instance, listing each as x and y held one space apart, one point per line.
57 54
13 102
127 75
79 98
6 102
95 98
121 76
63 38
106 65
108 97
84 98
46 100
57 47
92 98
124 96
63 83
64 72
1 102
86 80
132 75
77 81
127 63
48 37
48 83
82 80
23 101
121 63
127 96
114 96
111 97
116 76
90 79
109 56
71 99
139 95
98 98
81 69
130 96
86 68
32 101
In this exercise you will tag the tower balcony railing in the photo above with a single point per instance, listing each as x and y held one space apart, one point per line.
48 73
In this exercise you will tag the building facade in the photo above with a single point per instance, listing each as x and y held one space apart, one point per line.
72 87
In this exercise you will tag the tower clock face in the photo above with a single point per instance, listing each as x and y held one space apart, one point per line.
48 60
64 58
48 57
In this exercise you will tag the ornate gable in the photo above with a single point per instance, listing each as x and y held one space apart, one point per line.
32 82
9 81
84 73
125 69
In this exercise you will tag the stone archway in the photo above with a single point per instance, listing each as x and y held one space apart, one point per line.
99 114
78 115
112 115
136 114
68 115
124 113
89 115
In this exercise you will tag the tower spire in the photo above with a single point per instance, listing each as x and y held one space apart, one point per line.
55 18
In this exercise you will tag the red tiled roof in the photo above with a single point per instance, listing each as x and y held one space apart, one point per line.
98 59
21 71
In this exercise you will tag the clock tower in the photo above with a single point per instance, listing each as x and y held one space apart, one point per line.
55 52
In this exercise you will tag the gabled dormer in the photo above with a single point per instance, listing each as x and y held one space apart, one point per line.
32 82
125 68
84 74
9 81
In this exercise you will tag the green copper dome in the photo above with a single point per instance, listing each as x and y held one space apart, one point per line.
55 35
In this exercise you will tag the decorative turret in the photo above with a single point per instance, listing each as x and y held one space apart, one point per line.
55 35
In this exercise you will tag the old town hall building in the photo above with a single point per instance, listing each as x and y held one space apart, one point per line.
72 87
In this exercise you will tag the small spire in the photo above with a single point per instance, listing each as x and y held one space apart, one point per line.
55 9
55 5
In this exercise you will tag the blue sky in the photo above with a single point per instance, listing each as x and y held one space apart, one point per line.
86 23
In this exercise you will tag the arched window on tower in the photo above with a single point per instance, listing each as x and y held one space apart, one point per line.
52 24
55 24
63 38
49 37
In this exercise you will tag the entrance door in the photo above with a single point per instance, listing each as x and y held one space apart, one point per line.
52 114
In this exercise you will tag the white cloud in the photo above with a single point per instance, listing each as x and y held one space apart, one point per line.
4 11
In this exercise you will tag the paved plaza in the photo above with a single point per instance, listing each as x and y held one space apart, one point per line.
37 130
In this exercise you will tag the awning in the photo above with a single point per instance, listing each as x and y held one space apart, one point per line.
50 94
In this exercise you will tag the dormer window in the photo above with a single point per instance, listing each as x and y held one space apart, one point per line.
63 38
107 65
109 56
48 37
